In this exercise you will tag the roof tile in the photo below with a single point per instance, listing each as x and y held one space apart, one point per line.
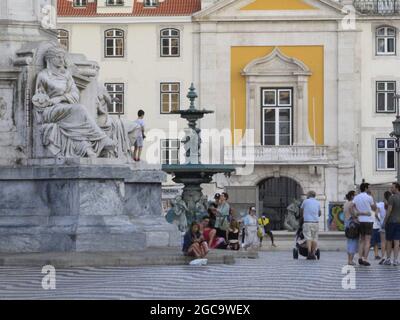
65 8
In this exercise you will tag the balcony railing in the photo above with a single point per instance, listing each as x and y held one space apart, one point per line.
377 7
276 155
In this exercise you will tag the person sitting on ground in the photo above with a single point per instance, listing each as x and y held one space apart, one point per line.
194 244
211 214
233 235
210 235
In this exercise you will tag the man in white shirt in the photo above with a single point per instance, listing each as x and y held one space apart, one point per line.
310 211
363 205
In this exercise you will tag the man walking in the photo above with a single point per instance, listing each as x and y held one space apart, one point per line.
363 205
310 211
392 226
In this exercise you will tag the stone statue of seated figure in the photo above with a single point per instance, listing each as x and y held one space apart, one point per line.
68 130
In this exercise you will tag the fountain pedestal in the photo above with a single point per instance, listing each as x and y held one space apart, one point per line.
193 173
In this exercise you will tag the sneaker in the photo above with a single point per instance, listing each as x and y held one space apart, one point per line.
396 263
361 262
366 263
274 245
387 262
378 258
382 261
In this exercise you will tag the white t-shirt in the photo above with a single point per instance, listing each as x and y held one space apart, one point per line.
363 203
311 208
382 213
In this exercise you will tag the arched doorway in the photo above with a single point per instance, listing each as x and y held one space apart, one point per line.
275 195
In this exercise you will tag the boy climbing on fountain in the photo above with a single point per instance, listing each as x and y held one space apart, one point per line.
139 136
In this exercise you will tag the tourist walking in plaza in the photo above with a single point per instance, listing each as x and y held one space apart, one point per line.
250 226
350 217
264 223
392 226
194 244
310 211
382 207
363 205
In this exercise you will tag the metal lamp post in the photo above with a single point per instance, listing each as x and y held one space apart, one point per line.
396 134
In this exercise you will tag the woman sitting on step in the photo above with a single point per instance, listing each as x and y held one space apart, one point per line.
194 244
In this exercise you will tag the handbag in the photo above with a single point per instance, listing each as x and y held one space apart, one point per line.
352 231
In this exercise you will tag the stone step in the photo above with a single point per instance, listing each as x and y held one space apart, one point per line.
149 257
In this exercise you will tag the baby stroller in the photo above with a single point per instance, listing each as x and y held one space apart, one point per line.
301 246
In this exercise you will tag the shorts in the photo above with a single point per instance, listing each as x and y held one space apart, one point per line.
310 231
366 228
376 237
138 142
392 231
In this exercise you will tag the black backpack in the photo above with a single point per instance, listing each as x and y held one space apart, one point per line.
353 230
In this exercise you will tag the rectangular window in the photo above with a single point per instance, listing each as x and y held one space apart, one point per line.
80 3
277 117
385 94
170 97
385 154
150 3
116 91
170 151
114 2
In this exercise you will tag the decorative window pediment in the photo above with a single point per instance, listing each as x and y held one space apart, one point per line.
276 64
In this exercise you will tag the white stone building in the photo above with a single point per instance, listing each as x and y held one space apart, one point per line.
311 79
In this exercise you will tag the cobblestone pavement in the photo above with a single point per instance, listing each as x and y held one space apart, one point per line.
275 275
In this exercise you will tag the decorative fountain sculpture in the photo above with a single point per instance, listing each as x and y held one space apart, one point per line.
192 204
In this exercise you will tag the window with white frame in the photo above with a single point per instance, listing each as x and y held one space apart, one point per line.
277 116
114 43
386 41
150 3
170 42
80 3
63 38
116 91
170 151
385 154
170 97
115 2
385 94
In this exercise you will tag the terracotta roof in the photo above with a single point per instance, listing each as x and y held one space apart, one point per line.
65 8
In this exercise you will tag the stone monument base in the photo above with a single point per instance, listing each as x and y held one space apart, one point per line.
82 205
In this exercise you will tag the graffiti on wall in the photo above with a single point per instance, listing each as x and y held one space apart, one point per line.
336 216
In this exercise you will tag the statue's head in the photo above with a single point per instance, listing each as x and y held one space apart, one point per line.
55 56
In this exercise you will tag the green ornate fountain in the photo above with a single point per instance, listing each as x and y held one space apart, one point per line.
192 205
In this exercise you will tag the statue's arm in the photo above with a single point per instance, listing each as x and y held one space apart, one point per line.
40 86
